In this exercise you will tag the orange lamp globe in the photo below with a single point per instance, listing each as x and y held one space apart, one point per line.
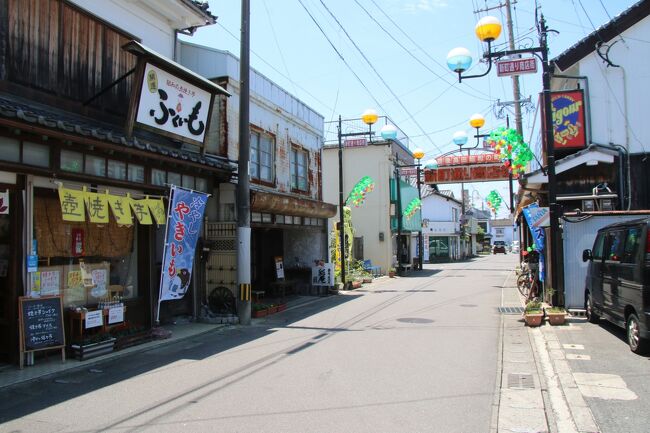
477 121
488 29
369 116
418 153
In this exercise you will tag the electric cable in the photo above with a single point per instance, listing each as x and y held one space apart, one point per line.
277 44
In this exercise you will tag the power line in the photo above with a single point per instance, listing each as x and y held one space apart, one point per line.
341 56
275 38
412 118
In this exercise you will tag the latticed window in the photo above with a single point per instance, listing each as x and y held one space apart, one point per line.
299 169
262 157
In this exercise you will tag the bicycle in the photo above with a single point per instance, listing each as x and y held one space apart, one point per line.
527 280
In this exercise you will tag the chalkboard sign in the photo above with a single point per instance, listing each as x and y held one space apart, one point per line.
41 324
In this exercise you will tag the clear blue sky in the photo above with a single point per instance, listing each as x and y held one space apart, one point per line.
406 80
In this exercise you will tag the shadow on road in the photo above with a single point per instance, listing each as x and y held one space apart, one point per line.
24 399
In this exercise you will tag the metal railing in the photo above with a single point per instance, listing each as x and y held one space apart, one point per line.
357 125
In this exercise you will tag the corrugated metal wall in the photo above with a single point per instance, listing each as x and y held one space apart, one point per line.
578 236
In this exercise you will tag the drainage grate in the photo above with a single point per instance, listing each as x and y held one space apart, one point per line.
520 381
511 310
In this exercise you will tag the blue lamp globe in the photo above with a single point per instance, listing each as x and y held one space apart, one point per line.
460 138
459 59
388 132
431 164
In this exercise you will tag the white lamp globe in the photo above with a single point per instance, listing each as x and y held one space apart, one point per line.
460 138
388 132
459 59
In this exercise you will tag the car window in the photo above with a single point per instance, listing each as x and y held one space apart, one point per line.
632 239
614 245
598 247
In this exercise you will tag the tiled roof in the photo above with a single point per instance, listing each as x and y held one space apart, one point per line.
51 118
204 8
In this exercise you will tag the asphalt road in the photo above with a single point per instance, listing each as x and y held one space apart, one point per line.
614 382
410 354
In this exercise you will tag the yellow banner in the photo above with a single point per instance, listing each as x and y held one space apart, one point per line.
72 204
121 208
141 211
157 208
97 207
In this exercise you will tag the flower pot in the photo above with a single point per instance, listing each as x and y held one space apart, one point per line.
356 284
556 318
367 280
259 313
92 350
272 309
533 319
282 307
391 274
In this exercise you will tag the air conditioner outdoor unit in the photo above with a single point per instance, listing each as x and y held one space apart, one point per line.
588 205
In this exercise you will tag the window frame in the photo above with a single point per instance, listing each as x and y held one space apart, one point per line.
297 151
256 156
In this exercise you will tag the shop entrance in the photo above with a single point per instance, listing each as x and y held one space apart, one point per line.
438 249
266 245
9 284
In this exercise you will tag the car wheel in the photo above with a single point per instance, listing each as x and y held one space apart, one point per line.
637 344
589 309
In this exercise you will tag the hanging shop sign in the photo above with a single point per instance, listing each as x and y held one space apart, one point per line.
568 108
469 173
183 226
516 67
4 202
76 204
355 142
170 104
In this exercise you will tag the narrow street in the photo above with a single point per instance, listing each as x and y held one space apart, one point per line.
416 353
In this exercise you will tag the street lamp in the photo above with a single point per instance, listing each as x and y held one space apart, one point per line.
419 154
369 117
459 60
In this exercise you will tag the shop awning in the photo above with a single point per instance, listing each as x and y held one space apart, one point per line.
276 203
592 155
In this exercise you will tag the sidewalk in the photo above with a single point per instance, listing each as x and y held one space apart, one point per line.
537 389
52 365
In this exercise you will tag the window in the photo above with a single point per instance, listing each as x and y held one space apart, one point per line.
36 154
631 245
10 149
72 161
116 170
299 169
499 231
95 166
614 245
598 247
188 181
174 178
262 162
136 173
158 177
201 184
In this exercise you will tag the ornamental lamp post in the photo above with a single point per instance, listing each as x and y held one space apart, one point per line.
369 117
419 154
459 60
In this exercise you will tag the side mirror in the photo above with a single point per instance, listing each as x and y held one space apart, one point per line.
586 255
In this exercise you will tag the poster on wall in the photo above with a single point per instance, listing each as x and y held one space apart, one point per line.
50 282
183 226
279 268
4 202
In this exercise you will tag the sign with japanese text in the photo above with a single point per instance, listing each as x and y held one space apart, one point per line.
116 314
72 204
279 268
482 158
157 208
538 217
50 282
516 67
568 119
355 142
184 222
470 173
173 105
97 207
94 319
41 323
322 275
141 211
121 209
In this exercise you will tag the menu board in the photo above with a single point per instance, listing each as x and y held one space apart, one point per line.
41 323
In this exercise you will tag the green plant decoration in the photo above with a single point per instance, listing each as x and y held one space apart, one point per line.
512 150
358 194
493 201
412 208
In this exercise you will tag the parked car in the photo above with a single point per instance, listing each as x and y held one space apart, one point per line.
618 279
515 247
499 247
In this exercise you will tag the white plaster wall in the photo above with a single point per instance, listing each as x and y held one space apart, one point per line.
617 94
373 216
135 18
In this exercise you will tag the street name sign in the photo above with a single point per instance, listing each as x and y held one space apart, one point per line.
516 67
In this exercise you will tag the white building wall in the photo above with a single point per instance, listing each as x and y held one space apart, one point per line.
439 211
616 93
373 216
136 18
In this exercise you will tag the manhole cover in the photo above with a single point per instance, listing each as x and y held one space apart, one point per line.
414 320
520 381
511 310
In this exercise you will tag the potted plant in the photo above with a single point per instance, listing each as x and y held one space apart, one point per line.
556 315
259 310
533 313
391 272
272 309
90 347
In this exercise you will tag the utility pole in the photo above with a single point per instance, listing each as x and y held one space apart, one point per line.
243 182
515 78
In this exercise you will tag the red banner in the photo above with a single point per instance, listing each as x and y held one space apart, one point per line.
568 119
467 173
482 158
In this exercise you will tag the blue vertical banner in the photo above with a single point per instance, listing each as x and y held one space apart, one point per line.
184 220
539 237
